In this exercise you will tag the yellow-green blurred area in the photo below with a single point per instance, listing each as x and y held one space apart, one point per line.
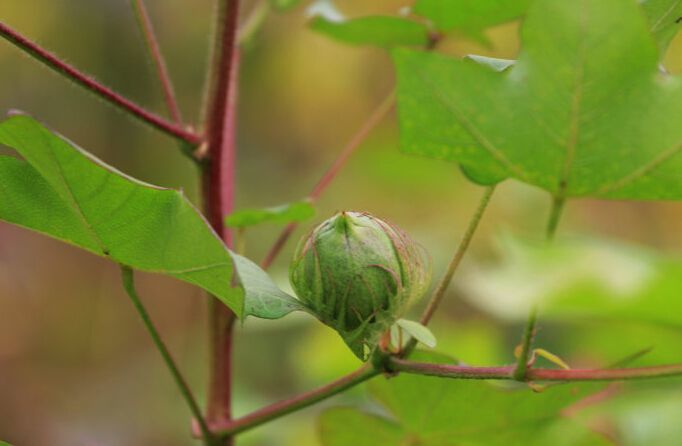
77 367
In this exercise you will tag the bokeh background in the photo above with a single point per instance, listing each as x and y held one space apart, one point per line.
76 366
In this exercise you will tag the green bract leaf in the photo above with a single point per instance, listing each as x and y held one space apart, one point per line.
263 299
418 331
664 18
68 194
431 411
579 114
470 16
292 212
383 31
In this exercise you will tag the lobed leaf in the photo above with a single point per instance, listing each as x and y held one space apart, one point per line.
583 112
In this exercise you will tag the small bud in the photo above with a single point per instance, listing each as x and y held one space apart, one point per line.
358 274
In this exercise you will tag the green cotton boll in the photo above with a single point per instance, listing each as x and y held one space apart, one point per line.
358 274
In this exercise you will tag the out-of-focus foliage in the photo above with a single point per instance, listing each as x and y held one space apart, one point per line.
383 31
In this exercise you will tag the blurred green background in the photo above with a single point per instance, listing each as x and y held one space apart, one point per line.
77 368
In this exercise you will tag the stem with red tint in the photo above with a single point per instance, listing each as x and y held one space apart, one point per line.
154 50
95 87
218 189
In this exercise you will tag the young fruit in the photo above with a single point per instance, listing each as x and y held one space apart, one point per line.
358 274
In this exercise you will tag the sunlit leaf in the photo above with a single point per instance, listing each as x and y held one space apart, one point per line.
579 114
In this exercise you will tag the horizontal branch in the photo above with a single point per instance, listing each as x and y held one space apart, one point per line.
284 407
95 87
507 372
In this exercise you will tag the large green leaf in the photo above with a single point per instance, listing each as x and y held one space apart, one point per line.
66 193
664 18
584 111
433 411
383 31
470 16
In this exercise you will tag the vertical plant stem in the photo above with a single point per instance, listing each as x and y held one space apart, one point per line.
152 44
526 346
218 186
129 285
253 22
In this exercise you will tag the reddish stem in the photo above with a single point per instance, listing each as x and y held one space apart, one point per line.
507 372
95 87
152 44
351 146
219 183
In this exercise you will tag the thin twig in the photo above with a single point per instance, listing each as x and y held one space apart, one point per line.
253 22
351 146
284 407
129 285
87 82
154 50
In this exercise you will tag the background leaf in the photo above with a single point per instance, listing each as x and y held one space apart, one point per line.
470 16
432 411
577 278
63 192
578 114
383 31
284 5
291 212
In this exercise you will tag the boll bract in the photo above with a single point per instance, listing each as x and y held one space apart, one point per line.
358 274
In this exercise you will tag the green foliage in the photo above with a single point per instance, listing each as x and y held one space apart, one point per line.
470 16
417 331
297 211
579 278
263 298
383 31
441 412
66 193
577 115
663 16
